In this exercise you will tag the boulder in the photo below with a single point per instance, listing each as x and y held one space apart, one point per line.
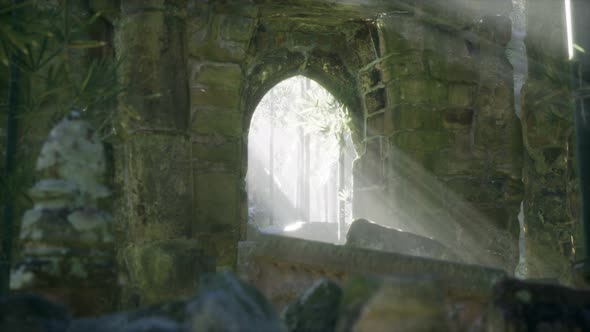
533 306
32 313
316 309
365 234
392 304
223 303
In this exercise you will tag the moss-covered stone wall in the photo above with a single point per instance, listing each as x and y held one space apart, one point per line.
154 170
551 190
443 145
431 93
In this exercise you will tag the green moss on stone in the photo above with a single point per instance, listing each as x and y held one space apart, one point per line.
226 123
217 196
227 153
423 91
215 97
221 76
461 95
166 269
422 140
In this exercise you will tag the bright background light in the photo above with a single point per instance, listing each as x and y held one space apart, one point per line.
293 156
570 33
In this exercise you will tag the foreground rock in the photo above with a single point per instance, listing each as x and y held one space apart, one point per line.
223 303
31 313
525 306
362 304
365 234
316 309
392 304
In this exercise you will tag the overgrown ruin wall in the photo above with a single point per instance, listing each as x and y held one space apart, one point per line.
551 208
443 153
431 93
429 89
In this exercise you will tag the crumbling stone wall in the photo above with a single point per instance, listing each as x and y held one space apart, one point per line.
442 141
154 166
429 86
551 190
415 84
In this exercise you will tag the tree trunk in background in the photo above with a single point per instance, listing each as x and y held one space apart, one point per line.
300 175
307 179
327 201
341 200
14 102
271 166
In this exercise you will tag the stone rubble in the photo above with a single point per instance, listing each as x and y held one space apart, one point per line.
361 304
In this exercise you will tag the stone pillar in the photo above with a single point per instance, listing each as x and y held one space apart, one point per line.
219 36
68 245
550 227
154 171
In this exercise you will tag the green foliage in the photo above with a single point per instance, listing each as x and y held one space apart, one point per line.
314 110
52 48
50 45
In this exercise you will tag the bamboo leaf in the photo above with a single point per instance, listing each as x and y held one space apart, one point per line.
83 44
88 76
13 7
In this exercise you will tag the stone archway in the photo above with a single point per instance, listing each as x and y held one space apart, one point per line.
420 80
300 153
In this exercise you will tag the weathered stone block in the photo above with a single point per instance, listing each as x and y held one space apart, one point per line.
168 269
215 97
376 125
197 24
458 118
375 100
409 116
399 34
219 50
366 234
158 185
452 163
452 70
395 66
236 28
221 76
423 91
369 78
154 67
495 29
226 123
461 95
217 197
422 140
224 246
477 190
226 153
455 14
488 133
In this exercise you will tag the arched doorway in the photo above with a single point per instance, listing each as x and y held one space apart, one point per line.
300 155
